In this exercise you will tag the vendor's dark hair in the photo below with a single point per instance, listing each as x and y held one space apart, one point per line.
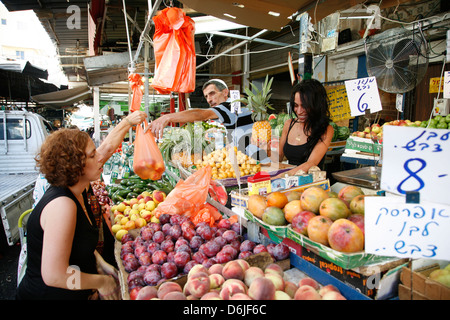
314 100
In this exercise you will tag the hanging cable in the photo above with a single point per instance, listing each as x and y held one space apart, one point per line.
131 67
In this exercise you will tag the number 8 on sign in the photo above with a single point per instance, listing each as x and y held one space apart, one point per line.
412 175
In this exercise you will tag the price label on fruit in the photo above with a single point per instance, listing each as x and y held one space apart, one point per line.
416 159
363 96
409 230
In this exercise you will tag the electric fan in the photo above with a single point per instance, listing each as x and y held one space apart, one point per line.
397 58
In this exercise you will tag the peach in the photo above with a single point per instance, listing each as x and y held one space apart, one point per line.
281 295
147 293
191 297
276 199
277 280
307 292
256 204
158 196
216 280
291 209
240 296
231 287
309 282
327 288
251 274
333 295
345 236
212 295
244 264
167 287
233 270
274 268
262 289
197 268
216 268
175 295
290 288
197 284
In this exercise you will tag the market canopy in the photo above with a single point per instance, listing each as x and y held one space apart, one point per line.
63 98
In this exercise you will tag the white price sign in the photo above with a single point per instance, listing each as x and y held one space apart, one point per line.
363 95
395 228
235 105
447 85
416 159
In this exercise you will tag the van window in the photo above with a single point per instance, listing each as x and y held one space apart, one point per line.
15 129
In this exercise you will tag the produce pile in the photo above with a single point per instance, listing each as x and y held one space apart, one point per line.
441 275
334 220
174 245
238 280
375 131
340 132
220 162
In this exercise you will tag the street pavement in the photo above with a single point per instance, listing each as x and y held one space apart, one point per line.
8 272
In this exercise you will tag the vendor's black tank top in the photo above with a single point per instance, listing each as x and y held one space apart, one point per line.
298 154
82 255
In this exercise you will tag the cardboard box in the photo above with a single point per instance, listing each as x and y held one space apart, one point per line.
376 281
416 285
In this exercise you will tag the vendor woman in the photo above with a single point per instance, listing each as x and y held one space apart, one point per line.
306 138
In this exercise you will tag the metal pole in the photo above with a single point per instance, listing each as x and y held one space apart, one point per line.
240 44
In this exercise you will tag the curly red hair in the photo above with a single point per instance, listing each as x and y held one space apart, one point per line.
63 156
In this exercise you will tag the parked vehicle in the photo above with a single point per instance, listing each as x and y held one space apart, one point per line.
20 140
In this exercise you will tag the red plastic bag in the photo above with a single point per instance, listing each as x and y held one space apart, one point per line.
188 196
136 83
174 47
148 162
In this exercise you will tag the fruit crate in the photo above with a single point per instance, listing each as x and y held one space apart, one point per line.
415 285
344 260
280 231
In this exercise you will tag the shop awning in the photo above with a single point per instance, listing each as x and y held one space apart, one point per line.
63 98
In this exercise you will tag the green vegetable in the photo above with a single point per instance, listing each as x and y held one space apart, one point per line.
343 133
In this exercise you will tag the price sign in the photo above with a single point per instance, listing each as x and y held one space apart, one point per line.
447 85
408 230
363 95
416 159
235 105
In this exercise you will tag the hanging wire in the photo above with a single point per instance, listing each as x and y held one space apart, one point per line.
131 67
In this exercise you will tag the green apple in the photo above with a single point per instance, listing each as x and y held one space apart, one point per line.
447 118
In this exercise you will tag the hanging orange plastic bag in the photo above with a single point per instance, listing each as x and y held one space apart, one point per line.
148 162
188 196
135 83
174 47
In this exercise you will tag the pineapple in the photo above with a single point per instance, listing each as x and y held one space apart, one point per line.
258 101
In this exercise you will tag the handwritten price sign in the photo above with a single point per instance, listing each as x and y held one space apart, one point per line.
409 230
447 85
417 159
363 95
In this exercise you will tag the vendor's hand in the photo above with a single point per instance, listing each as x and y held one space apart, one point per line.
105 268
157 126
136 117
110 290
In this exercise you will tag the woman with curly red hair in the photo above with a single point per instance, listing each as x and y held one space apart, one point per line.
61 233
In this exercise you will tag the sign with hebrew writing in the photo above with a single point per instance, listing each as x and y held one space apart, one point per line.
409 230
363 96
416 159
